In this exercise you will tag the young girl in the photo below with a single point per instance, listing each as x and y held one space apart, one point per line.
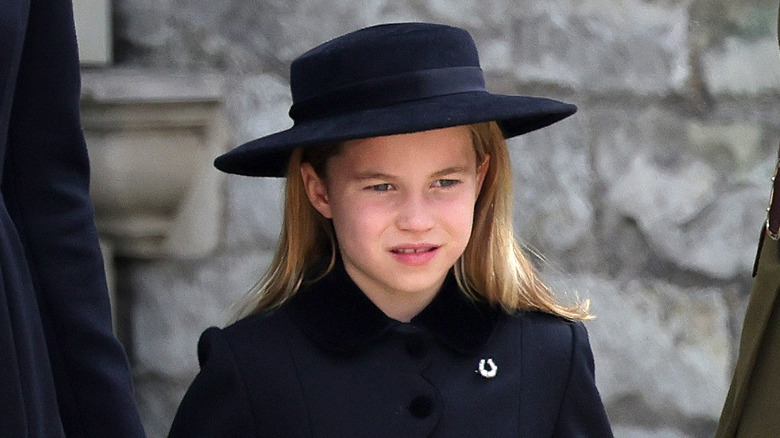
398 303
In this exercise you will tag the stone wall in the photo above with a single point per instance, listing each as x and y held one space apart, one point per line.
648 201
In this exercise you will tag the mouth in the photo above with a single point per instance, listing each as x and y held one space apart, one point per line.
415 254
413 250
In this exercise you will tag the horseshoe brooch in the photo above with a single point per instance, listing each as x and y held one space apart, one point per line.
490 371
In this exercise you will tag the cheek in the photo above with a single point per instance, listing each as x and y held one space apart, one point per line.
458 215
358 223
464 223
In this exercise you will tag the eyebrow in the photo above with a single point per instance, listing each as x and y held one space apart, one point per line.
372 175
451 170
380 175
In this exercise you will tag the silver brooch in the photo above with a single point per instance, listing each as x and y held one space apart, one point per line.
490 371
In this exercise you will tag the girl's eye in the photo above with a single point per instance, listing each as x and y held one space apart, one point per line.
444 183
380 187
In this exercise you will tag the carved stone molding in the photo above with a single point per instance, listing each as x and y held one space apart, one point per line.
152 140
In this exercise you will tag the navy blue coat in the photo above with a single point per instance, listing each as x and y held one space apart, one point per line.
62 372
330 364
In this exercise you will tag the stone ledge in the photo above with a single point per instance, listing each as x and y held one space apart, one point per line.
152 139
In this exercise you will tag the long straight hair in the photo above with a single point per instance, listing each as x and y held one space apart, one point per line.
493 265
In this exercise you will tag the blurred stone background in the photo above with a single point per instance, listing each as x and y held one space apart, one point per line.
648 201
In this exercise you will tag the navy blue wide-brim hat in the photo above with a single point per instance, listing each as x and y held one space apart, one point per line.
383 80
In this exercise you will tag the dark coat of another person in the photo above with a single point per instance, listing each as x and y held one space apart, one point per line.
752 407
62 371
329 363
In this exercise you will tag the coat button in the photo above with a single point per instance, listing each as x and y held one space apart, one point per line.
421 407
415 346
413 338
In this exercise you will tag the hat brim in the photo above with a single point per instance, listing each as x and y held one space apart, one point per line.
516 115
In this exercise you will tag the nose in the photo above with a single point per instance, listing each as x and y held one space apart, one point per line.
416 213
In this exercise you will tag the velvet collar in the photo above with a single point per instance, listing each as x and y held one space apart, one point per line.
336 315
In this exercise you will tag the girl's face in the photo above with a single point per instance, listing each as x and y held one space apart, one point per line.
402 208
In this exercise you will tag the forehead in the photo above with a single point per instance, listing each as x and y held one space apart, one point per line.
439 147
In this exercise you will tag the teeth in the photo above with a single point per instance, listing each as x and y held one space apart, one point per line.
412 251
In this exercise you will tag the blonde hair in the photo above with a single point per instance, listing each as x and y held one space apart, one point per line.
492 266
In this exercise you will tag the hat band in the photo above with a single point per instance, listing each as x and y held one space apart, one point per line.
389 90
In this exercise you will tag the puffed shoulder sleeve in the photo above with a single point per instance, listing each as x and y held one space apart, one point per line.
216 404
582 412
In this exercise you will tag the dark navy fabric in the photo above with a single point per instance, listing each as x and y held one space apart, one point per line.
63 371
330 364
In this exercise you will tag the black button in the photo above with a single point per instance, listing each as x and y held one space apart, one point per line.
415 346
421 407
405 329
414 339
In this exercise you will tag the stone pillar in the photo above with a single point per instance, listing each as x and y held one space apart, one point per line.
152 140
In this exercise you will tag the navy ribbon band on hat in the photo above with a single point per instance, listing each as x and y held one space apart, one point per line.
389 90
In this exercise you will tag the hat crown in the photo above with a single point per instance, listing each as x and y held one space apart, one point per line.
369 56
386 80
